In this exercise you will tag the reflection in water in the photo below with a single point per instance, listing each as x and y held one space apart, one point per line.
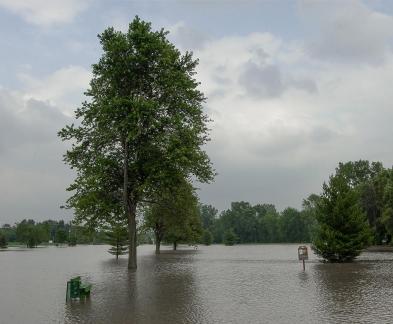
216 284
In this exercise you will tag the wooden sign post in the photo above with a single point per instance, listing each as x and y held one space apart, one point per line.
302 252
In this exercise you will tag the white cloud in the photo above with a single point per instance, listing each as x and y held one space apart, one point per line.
187 38
46 12
63 88
283 119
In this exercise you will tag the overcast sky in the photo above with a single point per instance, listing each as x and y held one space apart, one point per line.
293 87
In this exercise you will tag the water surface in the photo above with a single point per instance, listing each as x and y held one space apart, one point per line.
216 284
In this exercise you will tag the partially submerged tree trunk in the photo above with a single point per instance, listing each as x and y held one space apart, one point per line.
132 242
158 244
130 209
159 233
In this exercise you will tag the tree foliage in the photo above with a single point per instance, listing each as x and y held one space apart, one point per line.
230 237
208 215
117 237
262 223
141 130
32 233
371 181
174 217
343 231
28 233
207 237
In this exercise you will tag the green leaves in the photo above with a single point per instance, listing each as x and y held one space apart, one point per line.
175 214
342 230
116 235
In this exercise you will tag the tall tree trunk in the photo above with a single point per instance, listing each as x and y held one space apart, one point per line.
132 239
130 209
158 243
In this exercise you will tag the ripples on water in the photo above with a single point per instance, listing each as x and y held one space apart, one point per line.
216 284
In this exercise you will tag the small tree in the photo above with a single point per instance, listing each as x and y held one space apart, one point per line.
61 235
174 217
230 237
3 241
117 237
207 237
28 233
342 231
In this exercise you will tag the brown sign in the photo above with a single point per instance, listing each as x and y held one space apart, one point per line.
302 252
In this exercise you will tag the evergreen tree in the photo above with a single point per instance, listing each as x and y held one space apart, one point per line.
342 230
117 237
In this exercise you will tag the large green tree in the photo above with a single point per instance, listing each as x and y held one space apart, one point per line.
342 230
141 128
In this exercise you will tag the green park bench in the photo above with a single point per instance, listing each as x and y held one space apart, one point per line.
76 289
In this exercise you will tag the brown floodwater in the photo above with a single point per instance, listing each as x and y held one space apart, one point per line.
215 284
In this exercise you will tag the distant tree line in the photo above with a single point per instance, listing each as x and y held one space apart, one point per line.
261 223
31 233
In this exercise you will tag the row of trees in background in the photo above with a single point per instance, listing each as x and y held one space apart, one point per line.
260 223
31 233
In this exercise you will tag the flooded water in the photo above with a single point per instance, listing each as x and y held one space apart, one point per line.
216 284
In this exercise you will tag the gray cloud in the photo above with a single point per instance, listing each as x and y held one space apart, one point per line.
33 176
347 31
262 81
267 81
264 183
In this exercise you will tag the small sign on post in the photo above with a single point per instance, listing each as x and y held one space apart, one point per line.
302 252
